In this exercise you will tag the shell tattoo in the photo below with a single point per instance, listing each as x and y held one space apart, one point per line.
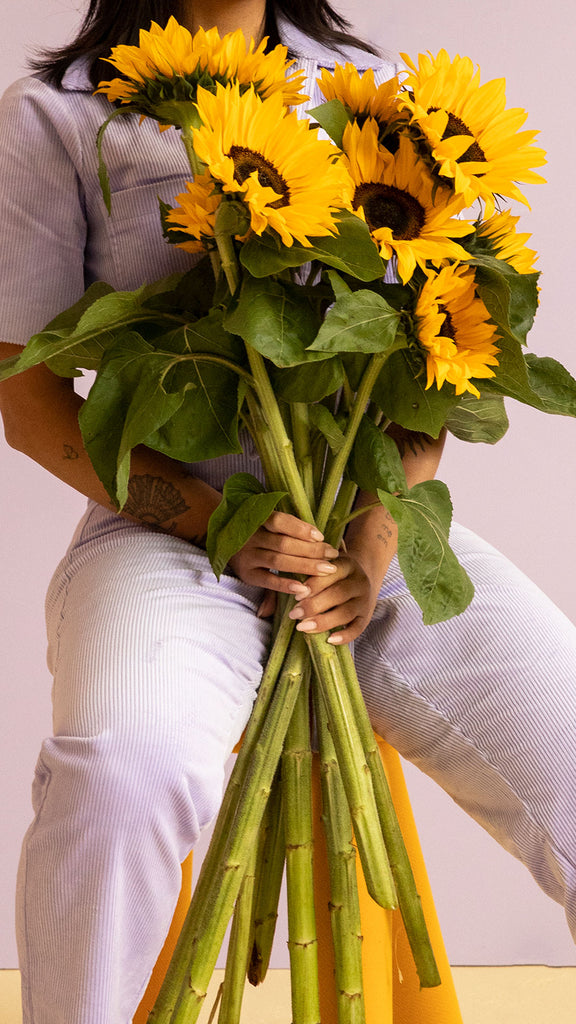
154 501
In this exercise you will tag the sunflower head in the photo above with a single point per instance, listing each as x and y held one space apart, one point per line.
195 215
162 74
473 138
362 98
395 195
453 329
290 181
499 236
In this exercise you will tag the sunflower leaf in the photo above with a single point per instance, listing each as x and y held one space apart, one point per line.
351 251
325 422
360 321
401 393
308 382
245 506
277 319
125 404
548 386
510 298
434 576
375 460
333 117
478 419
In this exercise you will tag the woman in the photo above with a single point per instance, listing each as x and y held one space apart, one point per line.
155 663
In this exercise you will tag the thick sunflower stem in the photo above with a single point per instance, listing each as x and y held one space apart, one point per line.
187 136
355 772
300 419
269 873
298 830
339 463
408 898
239 945
344 902
184 990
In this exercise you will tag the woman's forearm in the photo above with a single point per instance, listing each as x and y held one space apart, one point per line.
372 537
40 412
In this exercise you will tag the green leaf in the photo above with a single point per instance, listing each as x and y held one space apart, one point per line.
277 319
434 576
351 251
333 117
510 298
401 393
375 460
552 384
205 425
308 382
245 506
359 321
548 386
478 419
126 403
324 421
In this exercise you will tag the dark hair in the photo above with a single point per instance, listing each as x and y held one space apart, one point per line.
110 22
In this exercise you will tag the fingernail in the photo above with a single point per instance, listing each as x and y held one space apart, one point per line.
307 626
335 638
332 552
300 590
315 534
324 568
296 613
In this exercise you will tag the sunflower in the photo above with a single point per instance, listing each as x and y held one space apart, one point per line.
169 64
394 195
452 325
196 214
290 180
474 139
360 95
507 243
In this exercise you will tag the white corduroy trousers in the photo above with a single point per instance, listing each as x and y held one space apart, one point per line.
156 665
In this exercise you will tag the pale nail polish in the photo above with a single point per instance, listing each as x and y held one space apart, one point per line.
332 552
307 626
315 534
335 638
300 591
325 568
296 613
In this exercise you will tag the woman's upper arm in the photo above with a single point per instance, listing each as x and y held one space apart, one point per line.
42 221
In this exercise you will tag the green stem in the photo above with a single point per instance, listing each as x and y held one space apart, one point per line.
344 902
339 464
298 827
239 946
355 774
269 882
187 136
300 420
408 898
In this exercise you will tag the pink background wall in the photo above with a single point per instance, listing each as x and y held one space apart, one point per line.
519 495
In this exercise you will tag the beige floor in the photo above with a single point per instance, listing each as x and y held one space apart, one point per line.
488 995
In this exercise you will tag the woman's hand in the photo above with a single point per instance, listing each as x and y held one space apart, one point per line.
284 544
343 602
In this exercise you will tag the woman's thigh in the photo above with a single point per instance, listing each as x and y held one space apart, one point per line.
485 704
147 646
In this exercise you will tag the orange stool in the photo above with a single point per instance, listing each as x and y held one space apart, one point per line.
391 987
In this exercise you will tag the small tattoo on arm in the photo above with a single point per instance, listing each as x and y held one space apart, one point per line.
70 453
385 533
155 502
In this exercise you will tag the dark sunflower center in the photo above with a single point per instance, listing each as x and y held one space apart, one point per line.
388 207
456 126
447 329
246 161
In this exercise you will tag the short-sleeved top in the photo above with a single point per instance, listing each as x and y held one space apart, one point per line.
56 237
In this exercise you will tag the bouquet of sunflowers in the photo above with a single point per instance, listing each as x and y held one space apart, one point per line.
341 288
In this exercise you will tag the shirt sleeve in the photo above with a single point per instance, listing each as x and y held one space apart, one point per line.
42 221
